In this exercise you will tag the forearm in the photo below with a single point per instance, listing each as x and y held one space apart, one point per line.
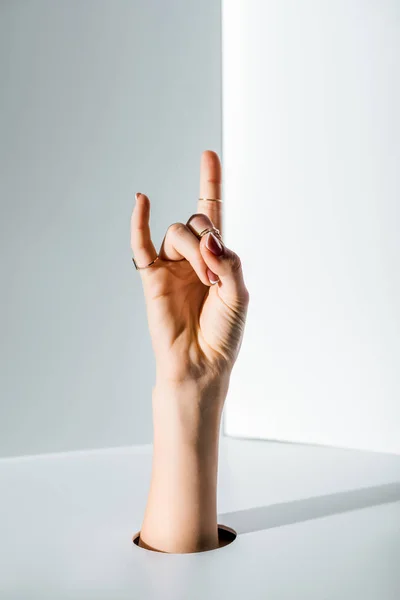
181 512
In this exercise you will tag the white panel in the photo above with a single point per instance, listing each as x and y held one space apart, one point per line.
311 148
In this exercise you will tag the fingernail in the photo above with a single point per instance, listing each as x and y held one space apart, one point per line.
137 196
212 276
214 245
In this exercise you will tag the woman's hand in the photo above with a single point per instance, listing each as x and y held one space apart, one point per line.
195 294
196 305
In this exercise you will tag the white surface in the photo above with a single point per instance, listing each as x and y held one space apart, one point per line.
66 523
99 99
311 147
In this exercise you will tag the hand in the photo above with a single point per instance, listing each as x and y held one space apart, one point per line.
195 294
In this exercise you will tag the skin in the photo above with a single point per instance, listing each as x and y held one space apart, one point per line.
196 329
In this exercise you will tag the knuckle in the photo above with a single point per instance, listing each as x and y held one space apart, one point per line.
177 228
201 218
196 216
235 262
246 296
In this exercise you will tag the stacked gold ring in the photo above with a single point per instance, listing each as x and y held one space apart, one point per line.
210 230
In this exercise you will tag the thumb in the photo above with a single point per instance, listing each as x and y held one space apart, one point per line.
227 266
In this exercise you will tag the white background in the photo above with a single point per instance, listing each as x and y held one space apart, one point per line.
311 142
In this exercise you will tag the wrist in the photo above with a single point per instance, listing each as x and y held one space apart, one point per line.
188 413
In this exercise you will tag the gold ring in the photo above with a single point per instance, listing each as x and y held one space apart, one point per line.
149 265
211 199
210 230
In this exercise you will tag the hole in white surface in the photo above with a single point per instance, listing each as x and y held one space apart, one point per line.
226 535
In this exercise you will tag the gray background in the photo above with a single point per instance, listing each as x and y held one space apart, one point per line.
99 99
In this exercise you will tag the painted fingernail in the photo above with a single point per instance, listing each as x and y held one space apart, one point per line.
212 276
214 245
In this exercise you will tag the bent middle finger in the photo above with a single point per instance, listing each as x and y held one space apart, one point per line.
180 243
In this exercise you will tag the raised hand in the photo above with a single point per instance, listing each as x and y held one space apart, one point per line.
195 294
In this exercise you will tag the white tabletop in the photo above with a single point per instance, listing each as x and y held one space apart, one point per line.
313 522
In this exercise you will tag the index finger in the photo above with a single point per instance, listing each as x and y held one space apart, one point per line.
210 203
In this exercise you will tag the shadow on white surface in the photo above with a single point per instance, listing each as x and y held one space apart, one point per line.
297 511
